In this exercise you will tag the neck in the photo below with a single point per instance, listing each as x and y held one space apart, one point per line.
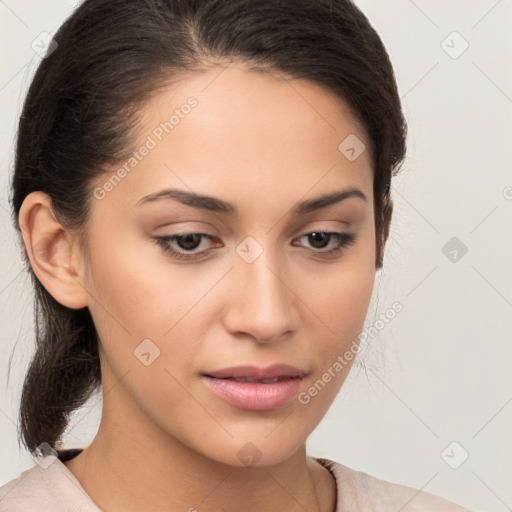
123 472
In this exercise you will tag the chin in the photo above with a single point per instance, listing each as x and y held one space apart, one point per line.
255 451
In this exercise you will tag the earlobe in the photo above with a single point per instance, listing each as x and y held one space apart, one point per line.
51 251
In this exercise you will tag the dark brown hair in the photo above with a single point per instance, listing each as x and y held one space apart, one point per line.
80 115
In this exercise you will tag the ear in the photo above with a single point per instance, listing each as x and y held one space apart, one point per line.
52 251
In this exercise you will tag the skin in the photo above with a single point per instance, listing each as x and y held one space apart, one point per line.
263 145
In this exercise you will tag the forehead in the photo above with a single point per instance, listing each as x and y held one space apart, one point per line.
245 135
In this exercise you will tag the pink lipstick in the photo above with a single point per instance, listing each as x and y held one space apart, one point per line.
253 388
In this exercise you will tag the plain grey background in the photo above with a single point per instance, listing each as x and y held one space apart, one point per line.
429 403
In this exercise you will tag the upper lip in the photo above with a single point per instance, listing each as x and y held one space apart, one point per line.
255 372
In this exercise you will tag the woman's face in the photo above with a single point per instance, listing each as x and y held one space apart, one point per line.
256 289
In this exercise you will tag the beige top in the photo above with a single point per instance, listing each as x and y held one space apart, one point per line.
50 486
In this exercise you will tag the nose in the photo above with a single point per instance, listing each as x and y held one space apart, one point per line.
262 303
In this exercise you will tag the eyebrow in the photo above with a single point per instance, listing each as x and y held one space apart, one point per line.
214 204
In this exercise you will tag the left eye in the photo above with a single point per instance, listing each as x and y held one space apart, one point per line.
343 241
191 241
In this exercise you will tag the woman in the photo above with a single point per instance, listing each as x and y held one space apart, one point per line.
203 193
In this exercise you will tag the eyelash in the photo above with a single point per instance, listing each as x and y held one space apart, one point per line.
344 240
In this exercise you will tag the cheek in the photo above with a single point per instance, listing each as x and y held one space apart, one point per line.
138 287
141 294
332 344
342 295
341 301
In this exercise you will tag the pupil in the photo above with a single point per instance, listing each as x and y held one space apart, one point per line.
317 237
188 240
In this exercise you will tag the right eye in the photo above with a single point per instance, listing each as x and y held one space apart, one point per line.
187 241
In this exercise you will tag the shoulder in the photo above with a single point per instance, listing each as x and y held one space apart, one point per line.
361 492
45 487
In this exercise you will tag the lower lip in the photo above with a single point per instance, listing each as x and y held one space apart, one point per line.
254 396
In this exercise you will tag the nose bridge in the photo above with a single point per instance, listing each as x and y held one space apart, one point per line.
262 298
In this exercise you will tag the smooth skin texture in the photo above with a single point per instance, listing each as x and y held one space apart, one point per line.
165 441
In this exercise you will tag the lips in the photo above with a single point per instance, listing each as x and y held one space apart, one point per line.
262 381
253 388
271 374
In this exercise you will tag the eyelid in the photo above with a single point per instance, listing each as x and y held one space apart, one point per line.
344 240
